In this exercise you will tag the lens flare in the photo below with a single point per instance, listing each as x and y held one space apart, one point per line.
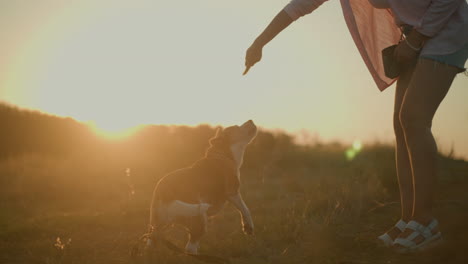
354 150
357 145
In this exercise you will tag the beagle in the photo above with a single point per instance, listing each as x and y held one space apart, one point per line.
188 196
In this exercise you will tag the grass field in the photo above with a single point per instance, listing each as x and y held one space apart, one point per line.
310 205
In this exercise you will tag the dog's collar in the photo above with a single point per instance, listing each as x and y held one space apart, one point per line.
220 156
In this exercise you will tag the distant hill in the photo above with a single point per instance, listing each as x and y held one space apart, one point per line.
64 150
25 131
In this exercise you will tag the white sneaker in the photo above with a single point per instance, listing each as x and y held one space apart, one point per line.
386 239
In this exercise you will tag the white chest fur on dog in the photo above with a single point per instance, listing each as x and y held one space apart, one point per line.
238 151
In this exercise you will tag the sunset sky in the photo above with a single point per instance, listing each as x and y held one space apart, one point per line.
120 63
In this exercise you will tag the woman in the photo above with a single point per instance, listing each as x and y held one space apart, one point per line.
434 50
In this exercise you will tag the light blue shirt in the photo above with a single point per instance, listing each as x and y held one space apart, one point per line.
445 21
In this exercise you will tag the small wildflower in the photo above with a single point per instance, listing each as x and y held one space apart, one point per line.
61 245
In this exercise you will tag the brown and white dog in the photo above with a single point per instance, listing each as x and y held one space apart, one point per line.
188 196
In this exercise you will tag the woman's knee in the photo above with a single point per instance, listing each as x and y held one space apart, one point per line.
397 128
413 124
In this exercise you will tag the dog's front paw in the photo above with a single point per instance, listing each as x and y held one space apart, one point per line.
248 228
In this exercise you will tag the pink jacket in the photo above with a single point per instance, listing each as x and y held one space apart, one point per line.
372 29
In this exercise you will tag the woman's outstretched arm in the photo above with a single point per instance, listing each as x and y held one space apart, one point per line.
254 53
291 12
281 21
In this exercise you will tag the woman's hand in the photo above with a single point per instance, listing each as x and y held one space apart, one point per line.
252 56
254 53
408 50
404 54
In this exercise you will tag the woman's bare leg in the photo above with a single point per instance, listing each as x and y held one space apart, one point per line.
403 165
429 84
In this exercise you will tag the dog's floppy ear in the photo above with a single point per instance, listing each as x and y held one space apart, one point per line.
218 138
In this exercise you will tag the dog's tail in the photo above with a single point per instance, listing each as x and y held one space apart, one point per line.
154 208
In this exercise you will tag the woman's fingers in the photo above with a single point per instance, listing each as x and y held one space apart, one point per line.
247 68
252 56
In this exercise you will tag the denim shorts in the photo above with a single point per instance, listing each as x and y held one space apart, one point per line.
457 59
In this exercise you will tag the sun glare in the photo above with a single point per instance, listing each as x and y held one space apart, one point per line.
113 132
